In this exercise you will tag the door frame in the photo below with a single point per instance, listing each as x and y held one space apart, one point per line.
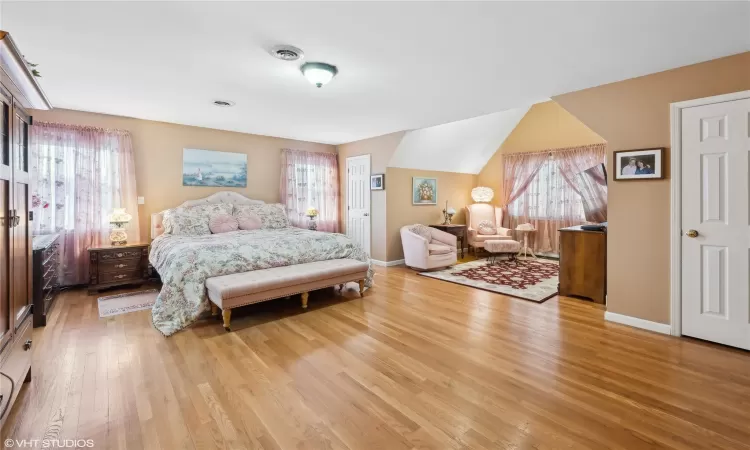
675 168
369 189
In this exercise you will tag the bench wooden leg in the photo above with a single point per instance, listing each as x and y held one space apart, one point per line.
227 315
214 310
361 288
305 296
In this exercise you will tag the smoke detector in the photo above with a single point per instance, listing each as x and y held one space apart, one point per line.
223 103
286 52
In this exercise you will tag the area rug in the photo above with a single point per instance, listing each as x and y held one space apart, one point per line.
114 305
530 279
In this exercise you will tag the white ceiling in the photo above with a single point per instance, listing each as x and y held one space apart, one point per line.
403 65
463 146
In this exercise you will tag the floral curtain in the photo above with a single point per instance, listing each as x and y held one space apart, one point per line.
310 180
552 198
79 175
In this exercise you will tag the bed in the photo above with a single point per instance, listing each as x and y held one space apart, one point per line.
186 262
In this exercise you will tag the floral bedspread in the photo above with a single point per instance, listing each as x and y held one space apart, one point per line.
185 262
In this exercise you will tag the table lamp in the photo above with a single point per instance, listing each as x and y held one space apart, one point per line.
118 219
312 213
448 213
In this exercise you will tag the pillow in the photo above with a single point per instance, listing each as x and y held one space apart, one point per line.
272 216
487 228
421 230
222 223
193 220
248 220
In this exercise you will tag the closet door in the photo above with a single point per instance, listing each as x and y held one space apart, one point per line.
5 219
21 293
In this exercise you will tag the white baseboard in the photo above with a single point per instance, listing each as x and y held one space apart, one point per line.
656 327
387 263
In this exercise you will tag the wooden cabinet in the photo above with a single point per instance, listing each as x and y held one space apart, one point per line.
18 92
46 270
112 266
583 263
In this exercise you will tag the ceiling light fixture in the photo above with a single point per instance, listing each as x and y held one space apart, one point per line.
223 103
318 73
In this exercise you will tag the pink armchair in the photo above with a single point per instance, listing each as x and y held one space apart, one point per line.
427 248
479 212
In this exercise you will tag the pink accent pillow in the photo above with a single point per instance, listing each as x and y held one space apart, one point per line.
249 221
222 223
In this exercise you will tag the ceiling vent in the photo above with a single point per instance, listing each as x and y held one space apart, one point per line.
286 52
223 103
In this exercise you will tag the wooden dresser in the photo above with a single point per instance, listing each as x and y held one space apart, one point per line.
111 266
583 263
46 270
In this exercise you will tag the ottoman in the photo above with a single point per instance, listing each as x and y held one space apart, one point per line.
497 248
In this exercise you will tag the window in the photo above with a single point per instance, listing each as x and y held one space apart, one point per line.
548 197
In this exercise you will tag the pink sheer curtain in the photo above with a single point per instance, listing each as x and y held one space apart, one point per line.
80 174
520 169
310 180
552 198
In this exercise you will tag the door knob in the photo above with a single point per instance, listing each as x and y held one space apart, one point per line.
691 233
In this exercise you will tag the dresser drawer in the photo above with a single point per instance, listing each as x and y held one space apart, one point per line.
120 276
111 255
120 265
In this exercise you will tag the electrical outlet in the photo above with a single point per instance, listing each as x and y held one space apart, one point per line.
141 200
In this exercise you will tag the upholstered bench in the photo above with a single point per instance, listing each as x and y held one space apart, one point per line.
239 289
497 248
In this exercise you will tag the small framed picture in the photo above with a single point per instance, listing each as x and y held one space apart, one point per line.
641 164
377 182
424 191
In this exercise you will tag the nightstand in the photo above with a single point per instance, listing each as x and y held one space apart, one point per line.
117 265
457 230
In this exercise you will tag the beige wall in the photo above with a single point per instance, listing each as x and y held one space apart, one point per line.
158 158
380 149
635 114
546 126
454 187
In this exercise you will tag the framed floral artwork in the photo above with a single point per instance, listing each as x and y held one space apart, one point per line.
424 191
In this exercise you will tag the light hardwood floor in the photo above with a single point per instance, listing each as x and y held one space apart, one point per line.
417 363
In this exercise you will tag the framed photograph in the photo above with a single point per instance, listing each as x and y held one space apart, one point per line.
377 182
641 164
424 191
212 168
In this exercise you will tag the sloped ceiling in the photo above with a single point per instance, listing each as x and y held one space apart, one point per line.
464 146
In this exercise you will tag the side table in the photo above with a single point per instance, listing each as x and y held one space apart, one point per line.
458 230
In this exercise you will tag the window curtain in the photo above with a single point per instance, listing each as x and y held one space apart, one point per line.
310 180
80 174
551 198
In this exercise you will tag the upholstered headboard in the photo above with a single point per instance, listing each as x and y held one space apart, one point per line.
157 227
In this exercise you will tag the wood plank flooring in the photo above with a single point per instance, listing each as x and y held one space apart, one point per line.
417 364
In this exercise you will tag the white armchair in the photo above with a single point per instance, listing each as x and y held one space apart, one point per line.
476 214
427 248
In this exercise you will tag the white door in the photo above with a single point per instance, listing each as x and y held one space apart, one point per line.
358 200
716 222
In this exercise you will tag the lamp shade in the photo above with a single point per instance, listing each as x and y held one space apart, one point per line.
482 194
451 210
311 212
120 216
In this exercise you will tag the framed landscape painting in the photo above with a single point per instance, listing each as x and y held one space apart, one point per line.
424 191
212 168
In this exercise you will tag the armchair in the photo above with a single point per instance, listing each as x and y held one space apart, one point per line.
476 214
427 248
